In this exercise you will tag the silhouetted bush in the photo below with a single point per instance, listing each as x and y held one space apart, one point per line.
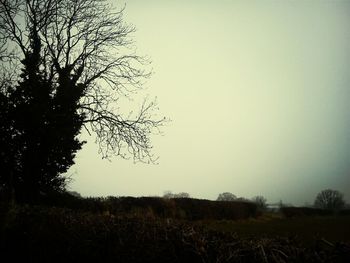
178 208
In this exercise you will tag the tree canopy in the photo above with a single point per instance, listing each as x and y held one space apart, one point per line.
226 196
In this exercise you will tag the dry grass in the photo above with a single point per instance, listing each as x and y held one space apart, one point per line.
39 234
305 229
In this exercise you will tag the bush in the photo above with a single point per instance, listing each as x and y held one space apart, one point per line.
197 209
178 208
182 208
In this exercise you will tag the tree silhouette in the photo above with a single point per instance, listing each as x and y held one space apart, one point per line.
260 201
76 61
169 194
329 199
226 196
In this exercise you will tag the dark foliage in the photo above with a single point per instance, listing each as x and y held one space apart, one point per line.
154 207
42 126
196 209
37 234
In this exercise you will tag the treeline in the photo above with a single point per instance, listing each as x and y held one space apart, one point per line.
327 202
155 207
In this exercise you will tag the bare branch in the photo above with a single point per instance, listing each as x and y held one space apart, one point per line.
86 48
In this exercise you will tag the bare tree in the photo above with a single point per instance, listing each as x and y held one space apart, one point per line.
329 199
85 45
227 196
260 201
77 62
169 194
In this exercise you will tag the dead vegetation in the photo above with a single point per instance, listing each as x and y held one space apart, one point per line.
48 234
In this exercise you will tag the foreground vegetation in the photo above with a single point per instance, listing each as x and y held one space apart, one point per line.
96 232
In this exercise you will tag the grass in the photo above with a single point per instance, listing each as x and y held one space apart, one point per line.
37 233
306 229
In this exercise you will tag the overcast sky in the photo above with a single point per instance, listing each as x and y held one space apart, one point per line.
258 94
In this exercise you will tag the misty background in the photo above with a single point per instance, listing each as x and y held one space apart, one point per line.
257 93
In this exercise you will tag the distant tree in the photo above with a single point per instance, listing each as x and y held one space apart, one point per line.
281 204
226 196
169 194
260 201
329 199
182 195
65 65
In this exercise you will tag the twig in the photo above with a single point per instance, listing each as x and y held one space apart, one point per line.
263 253
327 242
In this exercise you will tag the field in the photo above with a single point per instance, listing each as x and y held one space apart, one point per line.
305 229
41 233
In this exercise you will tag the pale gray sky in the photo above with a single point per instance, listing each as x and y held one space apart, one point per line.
257 92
